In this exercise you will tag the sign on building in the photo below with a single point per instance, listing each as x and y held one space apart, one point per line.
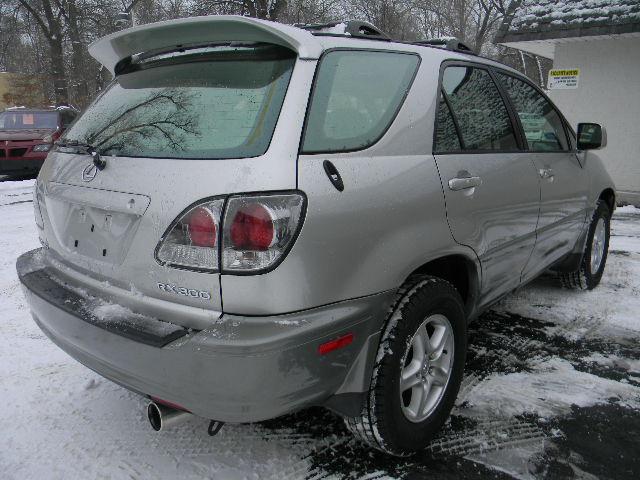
563 79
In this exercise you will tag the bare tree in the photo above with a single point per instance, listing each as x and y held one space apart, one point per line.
50 37
48 15
264 9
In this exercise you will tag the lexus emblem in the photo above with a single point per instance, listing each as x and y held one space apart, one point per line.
89 172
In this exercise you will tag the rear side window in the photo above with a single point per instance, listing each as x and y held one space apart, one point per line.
479 110
447 139
221 103
356 96
542 125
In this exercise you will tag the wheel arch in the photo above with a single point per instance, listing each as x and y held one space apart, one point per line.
459 270
609 196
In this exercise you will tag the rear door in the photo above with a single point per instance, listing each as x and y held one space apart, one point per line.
491 186
563 181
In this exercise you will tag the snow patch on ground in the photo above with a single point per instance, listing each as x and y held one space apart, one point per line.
550 389
545 301
61 420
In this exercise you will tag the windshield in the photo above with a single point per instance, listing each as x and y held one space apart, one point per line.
20 120
218 104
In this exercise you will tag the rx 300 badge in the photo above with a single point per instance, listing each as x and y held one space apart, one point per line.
185 292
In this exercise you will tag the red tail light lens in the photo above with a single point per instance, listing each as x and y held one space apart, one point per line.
202 227
258 230
192 241
252 228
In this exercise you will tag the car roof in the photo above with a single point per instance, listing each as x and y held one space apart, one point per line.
437 53
114 48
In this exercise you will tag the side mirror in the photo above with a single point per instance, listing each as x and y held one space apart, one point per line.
591 136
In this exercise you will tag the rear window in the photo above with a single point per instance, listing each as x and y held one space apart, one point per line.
219 103
356 96
478 109
28 120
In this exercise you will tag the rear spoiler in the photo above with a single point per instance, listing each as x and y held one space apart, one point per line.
113 48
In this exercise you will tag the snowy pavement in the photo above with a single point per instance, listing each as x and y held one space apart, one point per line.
552 390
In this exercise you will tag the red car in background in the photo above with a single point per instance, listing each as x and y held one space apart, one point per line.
27 135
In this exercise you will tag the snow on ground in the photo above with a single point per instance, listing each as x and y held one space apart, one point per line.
552 389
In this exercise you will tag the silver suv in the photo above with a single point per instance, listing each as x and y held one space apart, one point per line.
256 218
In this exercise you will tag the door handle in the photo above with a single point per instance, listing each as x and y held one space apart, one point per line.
462 183
546 173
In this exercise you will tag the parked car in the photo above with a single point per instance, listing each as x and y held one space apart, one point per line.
256 218
27 135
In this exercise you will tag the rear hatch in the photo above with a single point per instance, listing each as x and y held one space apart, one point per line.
173 128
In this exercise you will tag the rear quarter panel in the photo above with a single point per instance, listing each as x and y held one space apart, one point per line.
389 220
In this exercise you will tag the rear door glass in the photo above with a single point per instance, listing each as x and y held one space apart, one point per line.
356 96
542 125
447 139
218 104
479 109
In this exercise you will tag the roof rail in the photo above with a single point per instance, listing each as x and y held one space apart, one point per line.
351 28
448 43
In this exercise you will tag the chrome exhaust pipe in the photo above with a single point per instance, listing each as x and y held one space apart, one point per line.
161 416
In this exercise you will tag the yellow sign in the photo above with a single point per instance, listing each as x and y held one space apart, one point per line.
563 78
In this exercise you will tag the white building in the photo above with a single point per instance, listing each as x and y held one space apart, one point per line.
600 39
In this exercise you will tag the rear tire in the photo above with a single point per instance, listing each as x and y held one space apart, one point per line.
395 419
594 257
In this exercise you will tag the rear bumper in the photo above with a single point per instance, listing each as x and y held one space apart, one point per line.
241 369
21 165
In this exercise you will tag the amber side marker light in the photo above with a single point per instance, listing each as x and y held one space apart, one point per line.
335 344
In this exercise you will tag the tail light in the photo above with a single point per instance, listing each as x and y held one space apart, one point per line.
259 230
256 232
192 241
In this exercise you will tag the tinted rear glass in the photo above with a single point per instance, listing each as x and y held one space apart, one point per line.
28 120
220 104
447 139
479 109
356 96
543 127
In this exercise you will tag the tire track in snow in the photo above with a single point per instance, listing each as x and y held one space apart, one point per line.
489 434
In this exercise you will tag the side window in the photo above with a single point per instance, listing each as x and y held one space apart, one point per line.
543 127
447 139
355 98
479 109
67 119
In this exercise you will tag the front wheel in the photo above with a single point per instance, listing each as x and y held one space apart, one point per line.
418 369
594 257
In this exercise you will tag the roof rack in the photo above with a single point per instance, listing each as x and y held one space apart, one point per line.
448 43
351 28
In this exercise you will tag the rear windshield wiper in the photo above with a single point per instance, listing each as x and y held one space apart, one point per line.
98 161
